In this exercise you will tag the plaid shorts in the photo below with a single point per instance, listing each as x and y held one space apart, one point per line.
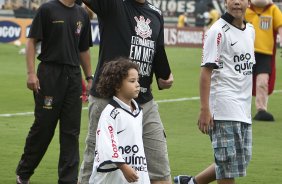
232 144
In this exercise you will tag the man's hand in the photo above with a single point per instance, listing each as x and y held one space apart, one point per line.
165 84
33 82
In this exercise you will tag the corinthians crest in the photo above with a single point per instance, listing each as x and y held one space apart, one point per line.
143 29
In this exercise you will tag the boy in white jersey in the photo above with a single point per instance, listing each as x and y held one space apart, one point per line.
226 94
119 152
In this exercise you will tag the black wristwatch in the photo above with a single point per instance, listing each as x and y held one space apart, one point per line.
89 77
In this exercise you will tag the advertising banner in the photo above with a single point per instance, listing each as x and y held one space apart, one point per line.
15 29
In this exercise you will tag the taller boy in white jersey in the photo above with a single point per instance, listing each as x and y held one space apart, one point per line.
226 94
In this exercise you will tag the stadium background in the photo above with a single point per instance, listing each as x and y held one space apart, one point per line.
189 150
16 17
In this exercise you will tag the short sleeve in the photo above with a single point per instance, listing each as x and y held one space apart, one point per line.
86 38
37 27
107 143
212 46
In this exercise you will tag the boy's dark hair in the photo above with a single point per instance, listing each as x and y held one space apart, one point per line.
112 74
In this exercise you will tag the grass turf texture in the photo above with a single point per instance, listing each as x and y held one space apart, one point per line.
189 150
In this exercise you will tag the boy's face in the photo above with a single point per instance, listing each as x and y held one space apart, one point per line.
237 8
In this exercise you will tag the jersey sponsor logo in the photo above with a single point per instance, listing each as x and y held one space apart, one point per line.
48 102
218 39
265 22
131 157
143 29
243 64
78 27
114 144
9 31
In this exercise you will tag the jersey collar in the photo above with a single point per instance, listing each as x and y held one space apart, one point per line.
229 18
118 103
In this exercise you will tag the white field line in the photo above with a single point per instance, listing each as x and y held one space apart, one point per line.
158 101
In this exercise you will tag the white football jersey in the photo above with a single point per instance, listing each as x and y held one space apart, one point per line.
119 140
230 51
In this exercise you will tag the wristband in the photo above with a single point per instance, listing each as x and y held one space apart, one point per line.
89 77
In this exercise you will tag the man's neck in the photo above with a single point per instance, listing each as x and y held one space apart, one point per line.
69 3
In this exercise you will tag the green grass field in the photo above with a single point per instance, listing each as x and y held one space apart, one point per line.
189 150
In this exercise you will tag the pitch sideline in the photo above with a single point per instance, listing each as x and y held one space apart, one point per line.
158 101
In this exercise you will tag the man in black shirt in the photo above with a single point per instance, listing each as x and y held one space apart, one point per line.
64 31
133 29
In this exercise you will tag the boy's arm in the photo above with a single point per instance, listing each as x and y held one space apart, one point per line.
205 121
129 173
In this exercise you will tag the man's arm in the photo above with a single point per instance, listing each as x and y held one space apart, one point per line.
32 80
205 121
86 67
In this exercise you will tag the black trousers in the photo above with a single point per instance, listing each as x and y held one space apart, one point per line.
59 99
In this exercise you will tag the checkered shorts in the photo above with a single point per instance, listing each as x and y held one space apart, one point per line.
232 144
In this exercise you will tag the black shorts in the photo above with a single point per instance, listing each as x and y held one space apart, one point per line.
263 63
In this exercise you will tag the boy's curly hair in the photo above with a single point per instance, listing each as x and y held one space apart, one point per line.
112 75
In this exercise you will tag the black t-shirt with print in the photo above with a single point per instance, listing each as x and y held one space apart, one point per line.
134 30
63 32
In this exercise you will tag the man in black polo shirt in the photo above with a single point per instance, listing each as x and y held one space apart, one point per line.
133 29
64 31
